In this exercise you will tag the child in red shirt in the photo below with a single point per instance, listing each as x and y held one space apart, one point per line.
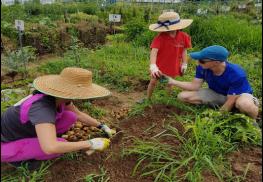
169 48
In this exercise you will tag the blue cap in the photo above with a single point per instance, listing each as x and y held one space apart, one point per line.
215 52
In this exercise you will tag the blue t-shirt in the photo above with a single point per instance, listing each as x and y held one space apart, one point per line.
232 82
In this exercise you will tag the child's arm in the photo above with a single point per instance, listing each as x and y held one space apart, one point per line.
155 72
184 61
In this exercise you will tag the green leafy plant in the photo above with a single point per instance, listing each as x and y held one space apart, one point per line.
93 111
97 177
23 174
233 127
17 61
75 47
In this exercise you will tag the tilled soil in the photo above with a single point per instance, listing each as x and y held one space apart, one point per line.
118 168
250 158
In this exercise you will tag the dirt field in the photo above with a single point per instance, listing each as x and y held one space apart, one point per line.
119 168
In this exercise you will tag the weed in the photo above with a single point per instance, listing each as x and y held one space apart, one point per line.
93 111
97 177
209 139
23 174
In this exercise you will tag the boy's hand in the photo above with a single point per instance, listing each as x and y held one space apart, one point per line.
155 72
183 67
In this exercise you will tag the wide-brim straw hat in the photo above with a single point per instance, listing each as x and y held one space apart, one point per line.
71 83
169 21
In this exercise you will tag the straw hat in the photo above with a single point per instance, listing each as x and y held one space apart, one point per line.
71 83
169 21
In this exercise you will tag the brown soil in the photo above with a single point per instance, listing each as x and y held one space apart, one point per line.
251 156
118 168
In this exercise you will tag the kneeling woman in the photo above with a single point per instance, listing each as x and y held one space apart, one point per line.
30 127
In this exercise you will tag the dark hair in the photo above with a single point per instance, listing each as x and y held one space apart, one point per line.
36 92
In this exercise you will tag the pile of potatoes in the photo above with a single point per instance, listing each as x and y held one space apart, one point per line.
81 132
120 114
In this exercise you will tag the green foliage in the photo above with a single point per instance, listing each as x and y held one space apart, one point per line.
106 67
77 17
202 147
23 174
10 99
93 111
97 177
252 64
75 47
42 37
71 156
237 36
134 28
232 127
18 60
56 66
33 8
47 21
8 30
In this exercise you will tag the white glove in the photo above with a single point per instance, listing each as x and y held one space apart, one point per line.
155 72
107 130
183 67
99 144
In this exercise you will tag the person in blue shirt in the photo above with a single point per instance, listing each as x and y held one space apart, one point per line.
228 86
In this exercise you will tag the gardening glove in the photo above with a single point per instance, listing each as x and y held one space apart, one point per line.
183 67
107 130
99 144
155 72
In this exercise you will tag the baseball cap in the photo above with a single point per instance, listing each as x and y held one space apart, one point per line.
214 52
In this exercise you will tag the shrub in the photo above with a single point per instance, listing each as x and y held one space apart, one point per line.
8 30
91 33
134 28
8 44
43 38
77 17
237 36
